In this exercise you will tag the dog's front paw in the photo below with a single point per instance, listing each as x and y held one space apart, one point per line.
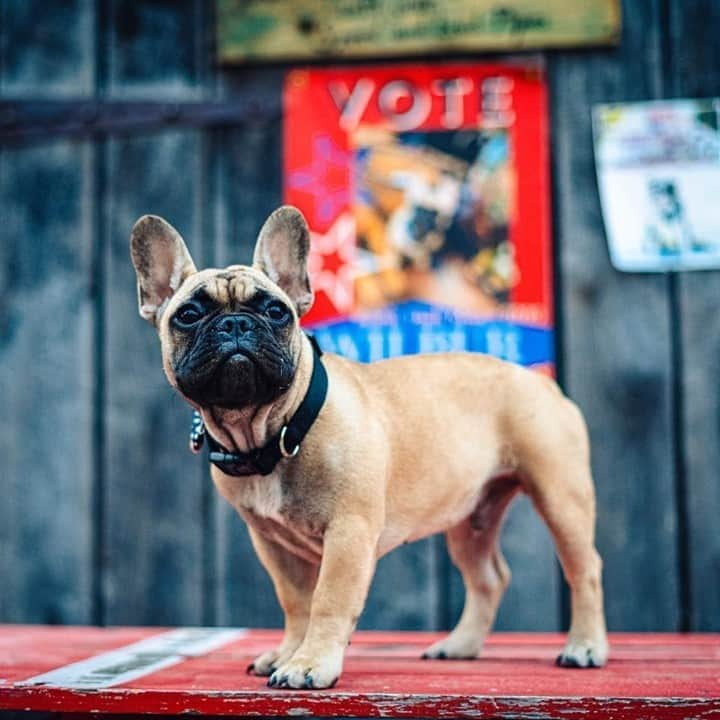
267 662
304 671
583 654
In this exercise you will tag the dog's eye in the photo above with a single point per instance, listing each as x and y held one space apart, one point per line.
277 312
188 315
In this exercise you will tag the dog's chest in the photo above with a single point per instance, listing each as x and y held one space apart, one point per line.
260 495
261 503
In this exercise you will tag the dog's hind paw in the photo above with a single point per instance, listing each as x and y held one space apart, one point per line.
583 654
453 648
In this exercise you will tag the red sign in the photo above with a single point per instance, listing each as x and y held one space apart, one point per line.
427 193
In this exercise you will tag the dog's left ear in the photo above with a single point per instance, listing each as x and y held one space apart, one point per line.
161 261
281 252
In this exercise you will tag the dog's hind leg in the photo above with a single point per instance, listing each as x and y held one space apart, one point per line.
475 549
566 501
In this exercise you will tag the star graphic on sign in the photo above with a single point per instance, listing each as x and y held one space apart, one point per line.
326 178
331 262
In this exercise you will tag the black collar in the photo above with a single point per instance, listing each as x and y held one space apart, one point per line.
285 444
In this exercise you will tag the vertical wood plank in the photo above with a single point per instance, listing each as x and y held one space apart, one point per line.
46 49
249 167
616 354
153 487
155 48
46 385
694 72
617 338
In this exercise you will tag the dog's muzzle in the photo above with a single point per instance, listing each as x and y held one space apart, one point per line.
235 362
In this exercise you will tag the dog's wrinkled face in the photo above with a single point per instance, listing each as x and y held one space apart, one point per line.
230 338
230 341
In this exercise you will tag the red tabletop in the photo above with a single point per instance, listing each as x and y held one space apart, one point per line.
203 672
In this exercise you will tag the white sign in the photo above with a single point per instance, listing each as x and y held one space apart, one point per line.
658 167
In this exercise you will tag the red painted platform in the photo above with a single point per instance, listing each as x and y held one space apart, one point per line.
648 676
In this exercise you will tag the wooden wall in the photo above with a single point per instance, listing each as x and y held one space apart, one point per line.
106 518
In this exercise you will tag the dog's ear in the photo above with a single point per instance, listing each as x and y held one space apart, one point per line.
281 252
161 261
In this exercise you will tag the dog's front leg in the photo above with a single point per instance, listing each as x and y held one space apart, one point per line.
294 579
347 566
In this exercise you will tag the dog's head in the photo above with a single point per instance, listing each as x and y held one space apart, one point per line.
230 338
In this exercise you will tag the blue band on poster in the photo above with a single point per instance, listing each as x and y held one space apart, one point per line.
417 327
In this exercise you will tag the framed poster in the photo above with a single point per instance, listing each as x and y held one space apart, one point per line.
427 194
658 167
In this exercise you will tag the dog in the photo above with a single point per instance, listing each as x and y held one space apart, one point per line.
385 453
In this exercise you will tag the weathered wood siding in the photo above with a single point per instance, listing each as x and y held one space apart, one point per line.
105 517
617 339
693 66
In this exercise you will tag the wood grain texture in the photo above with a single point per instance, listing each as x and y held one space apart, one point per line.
701 393
155 49
247 164
616 350
153 487
154 490
172 551
46 385
694 72
47 48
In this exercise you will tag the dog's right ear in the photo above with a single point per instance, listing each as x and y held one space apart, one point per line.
161 261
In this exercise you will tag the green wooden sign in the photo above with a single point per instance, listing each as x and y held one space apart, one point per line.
313 29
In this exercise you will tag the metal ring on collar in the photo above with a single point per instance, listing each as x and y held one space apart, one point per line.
283 451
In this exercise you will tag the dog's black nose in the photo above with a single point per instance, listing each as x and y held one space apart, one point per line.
235 324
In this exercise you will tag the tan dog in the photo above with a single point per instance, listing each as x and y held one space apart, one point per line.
401 449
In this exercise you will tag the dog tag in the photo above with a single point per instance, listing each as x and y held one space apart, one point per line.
197 433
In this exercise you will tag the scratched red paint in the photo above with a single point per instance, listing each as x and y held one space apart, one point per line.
669 676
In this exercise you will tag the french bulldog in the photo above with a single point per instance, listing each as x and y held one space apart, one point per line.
395 451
